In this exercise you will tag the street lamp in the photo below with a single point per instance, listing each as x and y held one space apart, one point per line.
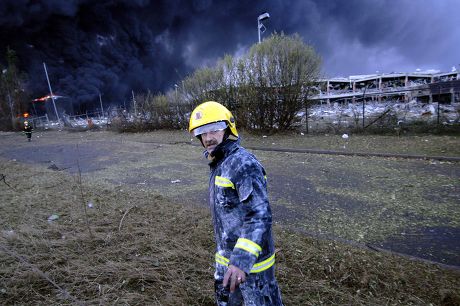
260 25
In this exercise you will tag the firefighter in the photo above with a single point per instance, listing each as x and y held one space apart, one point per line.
245 252
28 130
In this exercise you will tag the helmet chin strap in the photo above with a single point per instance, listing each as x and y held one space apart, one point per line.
227 133
201 140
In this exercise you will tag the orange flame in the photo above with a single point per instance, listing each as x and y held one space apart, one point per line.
46 98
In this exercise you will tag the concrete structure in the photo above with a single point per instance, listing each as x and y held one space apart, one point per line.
424 86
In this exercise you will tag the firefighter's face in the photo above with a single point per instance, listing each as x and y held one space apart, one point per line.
212 139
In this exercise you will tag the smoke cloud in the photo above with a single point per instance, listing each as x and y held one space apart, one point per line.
112 47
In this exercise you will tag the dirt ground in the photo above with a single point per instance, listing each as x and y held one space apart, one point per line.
97 218
406 206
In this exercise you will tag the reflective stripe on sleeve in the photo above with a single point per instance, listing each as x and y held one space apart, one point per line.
258 267
222 260
248 246
224 182
263 265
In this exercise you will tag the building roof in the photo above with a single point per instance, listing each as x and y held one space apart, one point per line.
365 77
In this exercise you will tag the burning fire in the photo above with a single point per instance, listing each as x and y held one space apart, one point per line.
46 98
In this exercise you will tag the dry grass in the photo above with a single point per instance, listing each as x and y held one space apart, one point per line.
146 250
142 249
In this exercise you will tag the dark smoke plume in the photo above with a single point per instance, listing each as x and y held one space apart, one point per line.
115 46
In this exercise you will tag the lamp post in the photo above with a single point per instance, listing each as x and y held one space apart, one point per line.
260 25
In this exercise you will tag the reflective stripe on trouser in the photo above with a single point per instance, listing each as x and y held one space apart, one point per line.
258 289
256 268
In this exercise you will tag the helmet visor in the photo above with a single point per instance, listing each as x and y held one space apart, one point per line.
211 127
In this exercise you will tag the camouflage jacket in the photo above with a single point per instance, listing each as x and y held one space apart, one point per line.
241 212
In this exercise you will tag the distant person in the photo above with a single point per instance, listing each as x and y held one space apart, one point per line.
28 130
245 255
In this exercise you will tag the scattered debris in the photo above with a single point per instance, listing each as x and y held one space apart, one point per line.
350 114
54 167
9 234
53 218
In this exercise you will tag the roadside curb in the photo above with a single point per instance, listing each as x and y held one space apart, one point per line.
327 152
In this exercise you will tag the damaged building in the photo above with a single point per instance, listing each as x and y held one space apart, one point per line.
424 86
385 100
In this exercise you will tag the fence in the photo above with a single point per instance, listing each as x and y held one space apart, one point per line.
364 114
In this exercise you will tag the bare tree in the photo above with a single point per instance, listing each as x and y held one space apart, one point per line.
265 88
204 84
281 69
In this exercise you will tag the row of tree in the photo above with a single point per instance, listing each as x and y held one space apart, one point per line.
265 88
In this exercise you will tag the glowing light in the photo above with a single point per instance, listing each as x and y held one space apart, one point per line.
46 98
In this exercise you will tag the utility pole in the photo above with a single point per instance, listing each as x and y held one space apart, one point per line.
100 101
134 103
51 93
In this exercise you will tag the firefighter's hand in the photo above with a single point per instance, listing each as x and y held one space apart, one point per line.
235 276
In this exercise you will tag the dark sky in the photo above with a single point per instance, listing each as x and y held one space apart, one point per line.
115 46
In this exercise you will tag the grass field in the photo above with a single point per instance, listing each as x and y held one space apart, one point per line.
125 234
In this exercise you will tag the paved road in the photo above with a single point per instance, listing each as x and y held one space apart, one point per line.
407 206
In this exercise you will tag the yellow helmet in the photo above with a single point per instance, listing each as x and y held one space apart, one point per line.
211 112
